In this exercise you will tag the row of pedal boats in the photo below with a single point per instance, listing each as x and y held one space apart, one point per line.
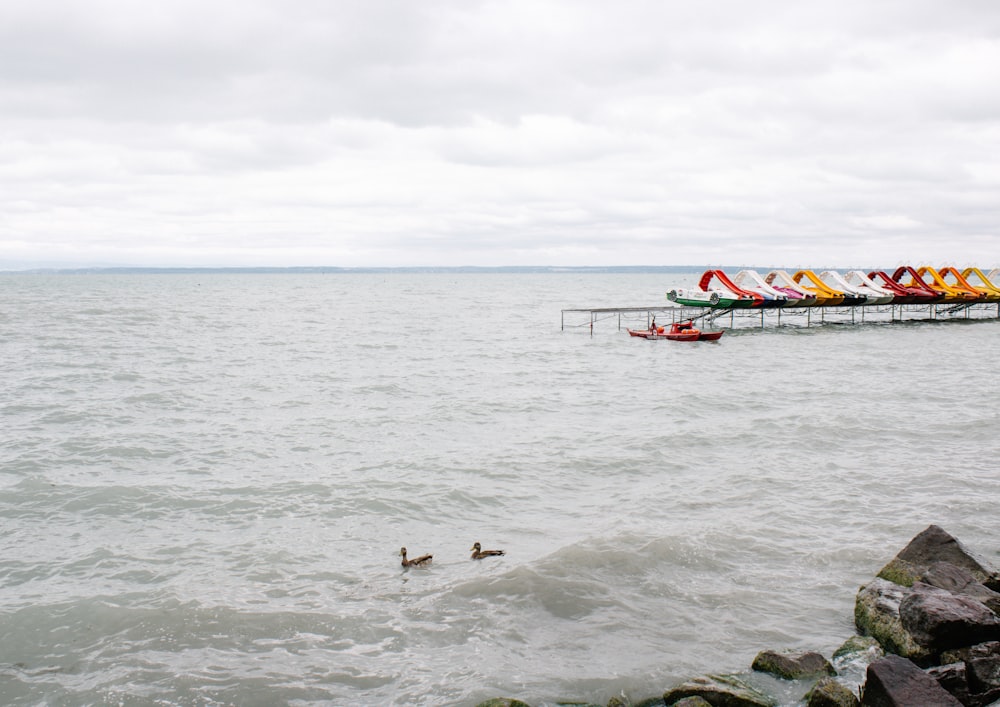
831 288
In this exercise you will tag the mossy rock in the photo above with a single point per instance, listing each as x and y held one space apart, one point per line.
858 646
792 666
900 572
929 546
503 702
692 702
720 691
876 614
622 701
830 693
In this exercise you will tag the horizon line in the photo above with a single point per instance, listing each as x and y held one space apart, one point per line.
277 269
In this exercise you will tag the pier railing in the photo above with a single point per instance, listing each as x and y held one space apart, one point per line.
642 317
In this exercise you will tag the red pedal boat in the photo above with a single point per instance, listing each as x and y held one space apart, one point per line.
678 331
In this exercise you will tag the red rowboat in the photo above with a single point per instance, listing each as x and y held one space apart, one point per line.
679 331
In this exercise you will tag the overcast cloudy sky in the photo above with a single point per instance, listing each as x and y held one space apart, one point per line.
523 132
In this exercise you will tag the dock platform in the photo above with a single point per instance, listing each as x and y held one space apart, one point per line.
759 318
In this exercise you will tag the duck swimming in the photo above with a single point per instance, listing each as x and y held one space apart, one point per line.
416 561
479 553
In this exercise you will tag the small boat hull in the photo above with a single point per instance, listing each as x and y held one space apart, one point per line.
679 331
647 333
686 331
694 298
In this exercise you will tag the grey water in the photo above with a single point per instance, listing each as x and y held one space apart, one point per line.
205 481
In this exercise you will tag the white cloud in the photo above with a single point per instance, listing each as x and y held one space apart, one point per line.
447 132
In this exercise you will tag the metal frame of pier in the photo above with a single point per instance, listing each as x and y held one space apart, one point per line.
760 318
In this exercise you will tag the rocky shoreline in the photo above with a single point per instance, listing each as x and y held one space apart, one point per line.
928 636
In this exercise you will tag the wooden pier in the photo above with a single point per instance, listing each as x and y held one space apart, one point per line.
761 317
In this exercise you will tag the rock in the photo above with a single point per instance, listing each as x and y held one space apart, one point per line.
792 666
503 702
623 701
956 580
692 702
993 582
939 620
719 691
982 667
876 614
830 693
978 666
894 681
960 655
953 679
857 647
928 547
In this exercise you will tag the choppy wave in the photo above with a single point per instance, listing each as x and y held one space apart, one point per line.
205 482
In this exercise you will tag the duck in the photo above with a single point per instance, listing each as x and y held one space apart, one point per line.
416 561
479 553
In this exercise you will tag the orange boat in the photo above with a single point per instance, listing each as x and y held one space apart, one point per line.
991 291
952 293
961 284
826 296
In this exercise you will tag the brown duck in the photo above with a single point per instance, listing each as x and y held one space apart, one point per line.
416 561
479 553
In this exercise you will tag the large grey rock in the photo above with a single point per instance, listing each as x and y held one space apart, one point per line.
926 548
830 693
956 580
939 620
792 666
894 681
876 614
720 691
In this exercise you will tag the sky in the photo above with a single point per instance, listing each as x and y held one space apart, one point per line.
843 133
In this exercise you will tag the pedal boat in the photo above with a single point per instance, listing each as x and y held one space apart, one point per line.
876 293
744 298
901 293
783 282
826 296
972 294
689 297
986 286
917 285
835 281
751 281
953 294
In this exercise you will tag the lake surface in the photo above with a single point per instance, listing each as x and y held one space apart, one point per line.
205 481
